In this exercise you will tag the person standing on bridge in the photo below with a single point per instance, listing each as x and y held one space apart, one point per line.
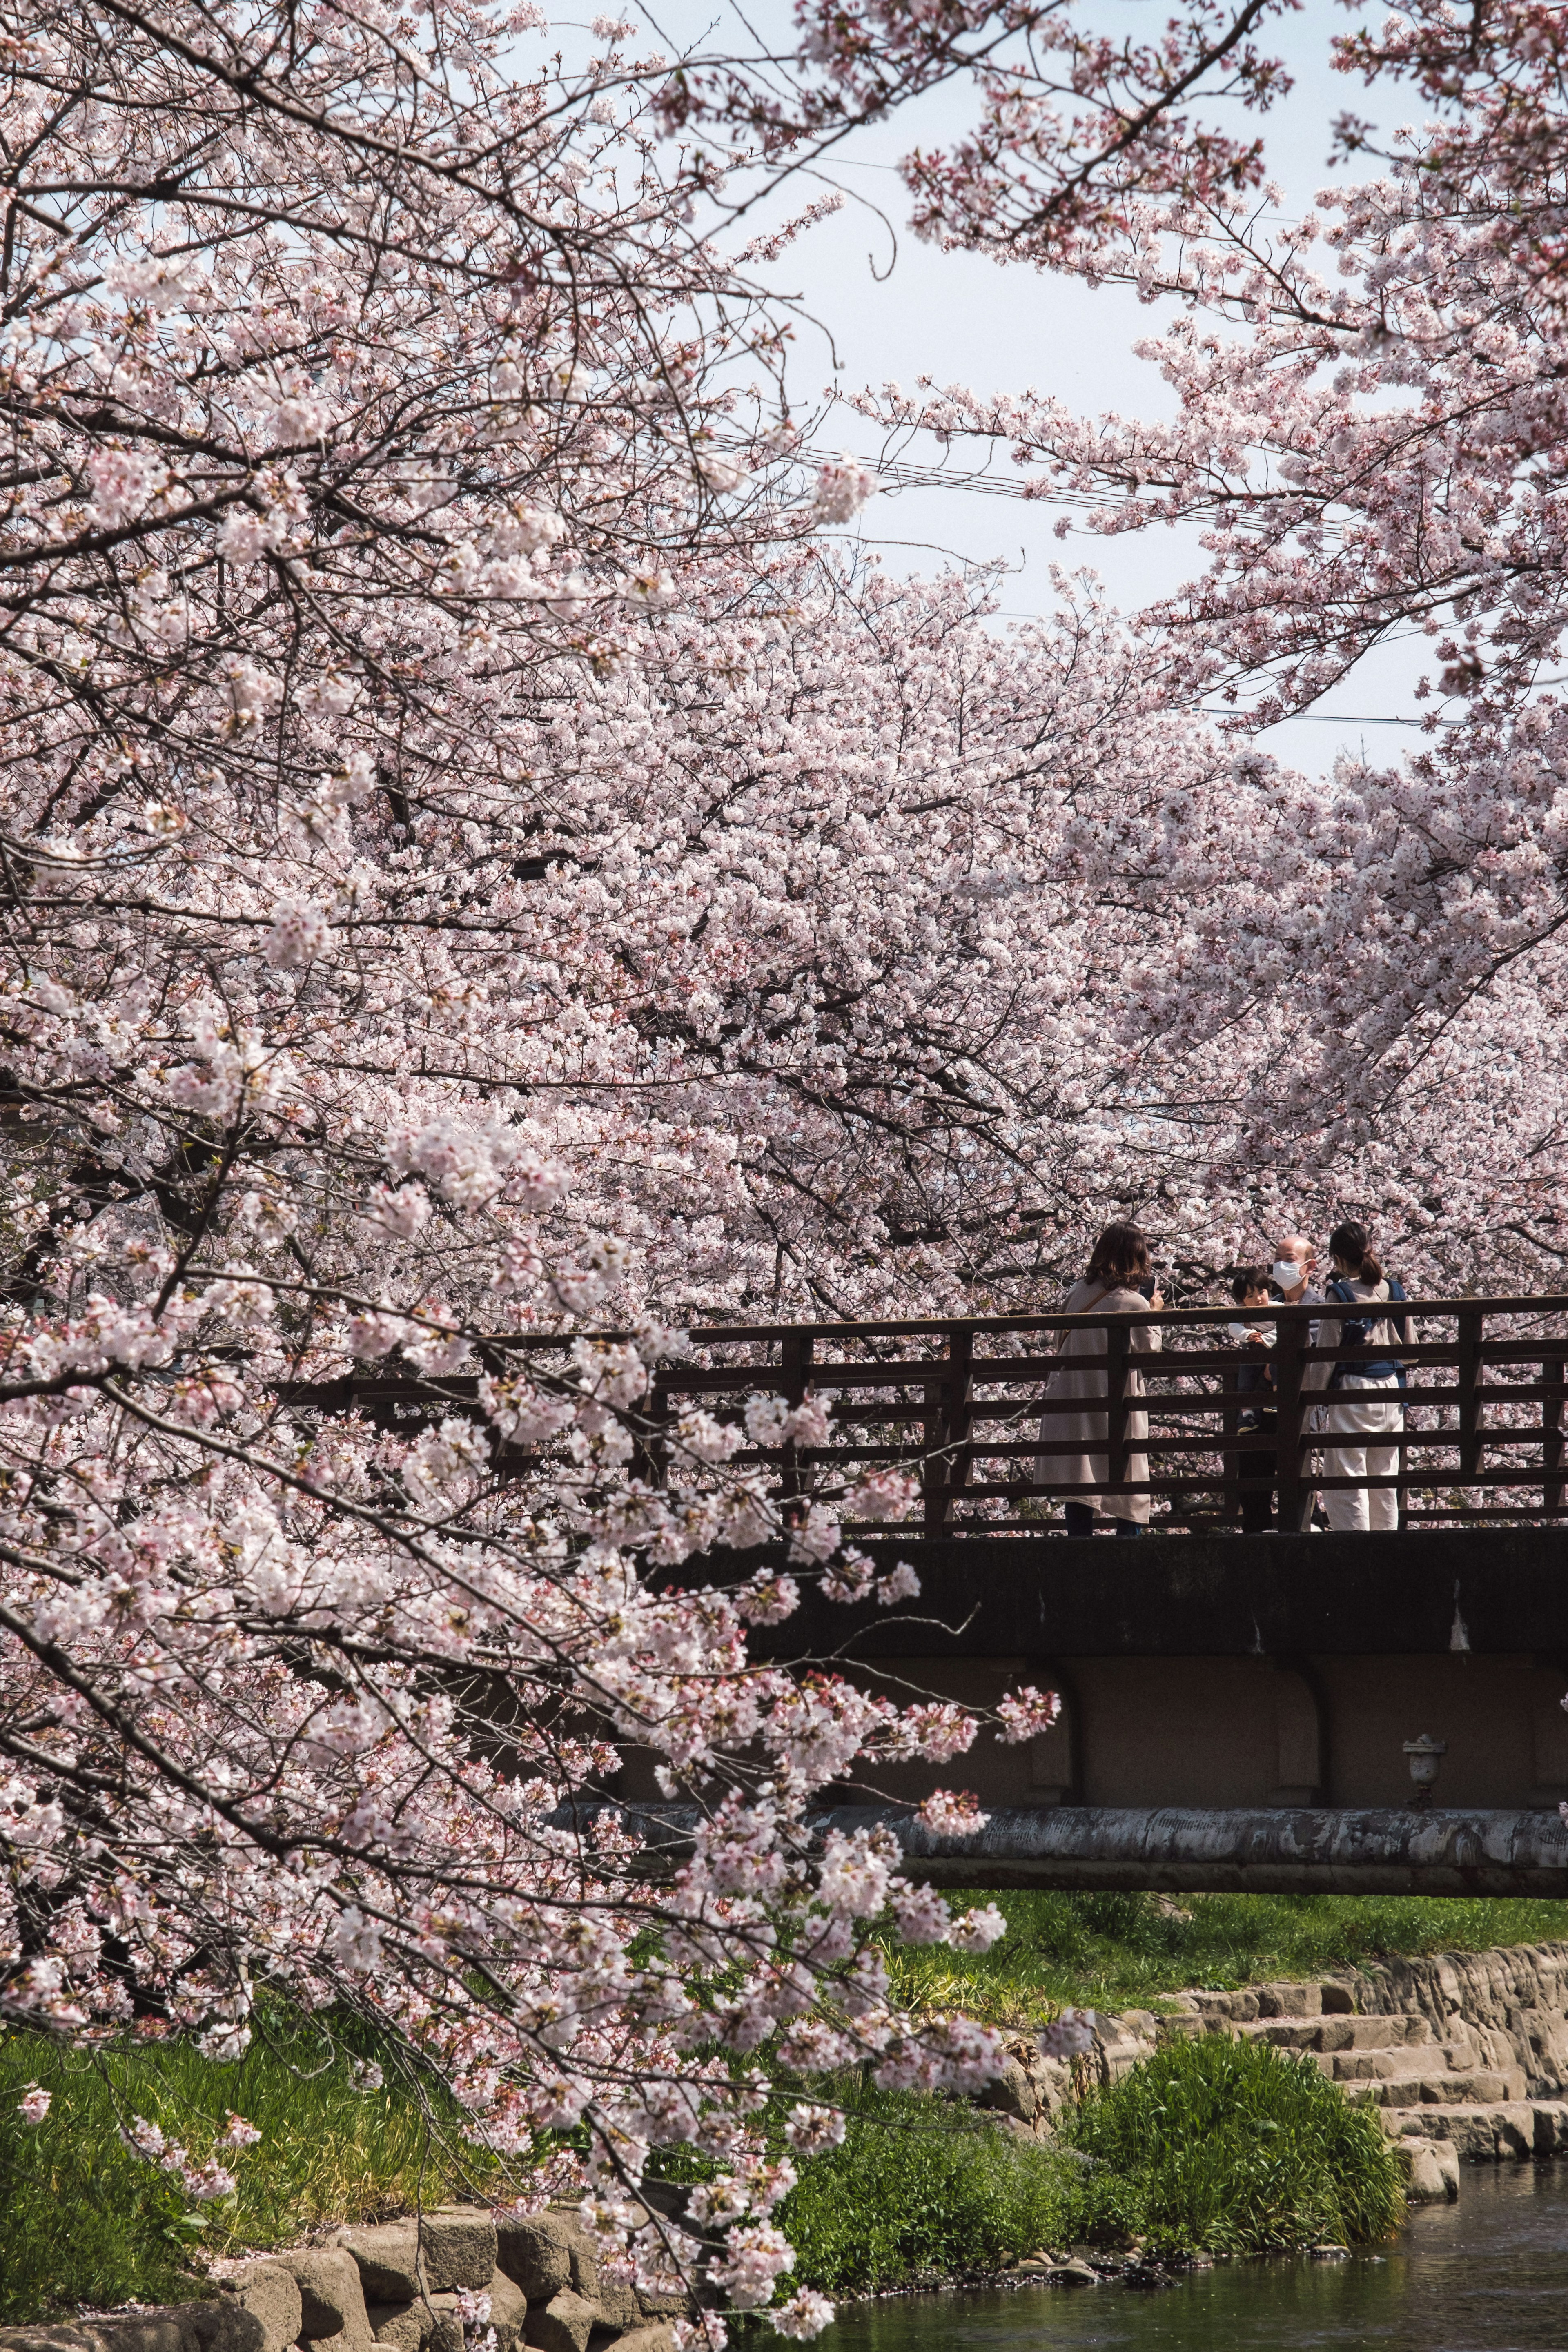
1120 1280
1291 1275
1295 1262
1364 1400
1259 1462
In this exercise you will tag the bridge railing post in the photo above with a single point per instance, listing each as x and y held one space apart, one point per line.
1239 1465
1117 1349
1554 1388
947 1428
795 1365
933 1469
1288 1370
1471 1324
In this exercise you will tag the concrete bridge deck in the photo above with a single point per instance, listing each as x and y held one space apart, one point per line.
1234 1671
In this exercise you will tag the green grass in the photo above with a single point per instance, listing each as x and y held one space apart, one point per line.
85 2220
1125 1951
922 2189
1208 2146
1229 2148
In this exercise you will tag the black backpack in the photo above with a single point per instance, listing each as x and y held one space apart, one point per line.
1355 1331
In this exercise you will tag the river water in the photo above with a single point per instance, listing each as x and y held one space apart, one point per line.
1488 2275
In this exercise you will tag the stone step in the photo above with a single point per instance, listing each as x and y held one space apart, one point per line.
1269 2001
1335 2034
1506 2129
1475 2089
1411 2063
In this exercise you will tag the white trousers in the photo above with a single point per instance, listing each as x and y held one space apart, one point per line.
1362 1409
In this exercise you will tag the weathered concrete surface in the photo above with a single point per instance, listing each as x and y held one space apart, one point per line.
1286 1852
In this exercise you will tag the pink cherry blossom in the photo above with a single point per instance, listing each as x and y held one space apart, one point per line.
1071 2035
812 2129
1024 1714
976 1930
953 1814
842 489
801 2315
921 1914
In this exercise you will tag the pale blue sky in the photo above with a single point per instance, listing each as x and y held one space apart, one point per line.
961 317
901 309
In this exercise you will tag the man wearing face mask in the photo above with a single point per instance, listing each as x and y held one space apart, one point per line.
1291 1272
1291 1275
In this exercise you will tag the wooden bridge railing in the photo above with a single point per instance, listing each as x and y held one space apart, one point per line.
959 1403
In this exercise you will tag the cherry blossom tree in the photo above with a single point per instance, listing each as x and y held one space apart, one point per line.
485 888
369 409
1074 119
1085 973
1366 431
865 879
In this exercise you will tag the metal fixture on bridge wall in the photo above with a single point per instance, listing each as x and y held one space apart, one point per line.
1426 1754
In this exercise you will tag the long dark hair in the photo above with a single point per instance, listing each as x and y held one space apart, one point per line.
1120 1256
1350 1244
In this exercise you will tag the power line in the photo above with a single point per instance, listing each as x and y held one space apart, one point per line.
1329 718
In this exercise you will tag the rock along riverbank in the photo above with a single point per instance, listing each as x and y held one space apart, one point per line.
398 2286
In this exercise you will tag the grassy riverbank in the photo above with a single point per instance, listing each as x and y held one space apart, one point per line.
1209 2146
1227 2147
921 2187
86 2221
1125 1951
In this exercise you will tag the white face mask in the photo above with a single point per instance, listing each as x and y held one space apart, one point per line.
1285 1275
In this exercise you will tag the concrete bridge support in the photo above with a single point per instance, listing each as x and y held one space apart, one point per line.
1240 1680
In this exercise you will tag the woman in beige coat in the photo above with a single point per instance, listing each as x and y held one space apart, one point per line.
1120 1264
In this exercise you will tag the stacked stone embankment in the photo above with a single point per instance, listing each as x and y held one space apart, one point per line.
1463 2053
397 2286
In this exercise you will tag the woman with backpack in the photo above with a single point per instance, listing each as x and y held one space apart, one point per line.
1119 1281
1364 1406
